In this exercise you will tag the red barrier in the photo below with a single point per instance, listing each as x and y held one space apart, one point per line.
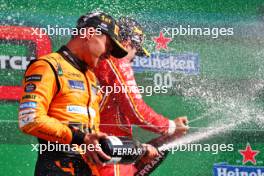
18 33
10 92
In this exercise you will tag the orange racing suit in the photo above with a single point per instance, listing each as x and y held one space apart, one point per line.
60 102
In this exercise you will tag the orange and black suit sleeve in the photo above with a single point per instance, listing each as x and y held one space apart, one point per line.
39 89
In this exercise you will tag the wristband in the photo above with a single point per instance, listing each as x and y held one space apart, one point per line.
172 127
77 137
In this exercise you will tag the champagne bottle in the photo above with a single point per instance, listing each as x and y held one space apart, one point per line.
121 149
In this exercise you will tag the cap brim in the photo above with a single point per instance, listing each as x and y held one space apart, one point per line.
118 50
143 52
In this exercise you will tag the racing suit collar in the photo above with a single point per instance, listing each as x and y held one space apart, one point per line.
72 59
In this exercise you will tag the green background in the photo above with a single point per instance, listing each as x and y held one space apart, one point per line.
228 91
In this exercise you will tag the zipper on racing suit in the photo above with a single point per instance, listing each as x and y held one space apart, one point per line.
82 67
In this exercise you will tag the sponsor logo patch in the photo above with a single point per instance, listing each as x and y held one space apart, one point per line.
30 104
30 87
76 84
74 74
33 78
104 26
26 119
77 109
26 111
29 96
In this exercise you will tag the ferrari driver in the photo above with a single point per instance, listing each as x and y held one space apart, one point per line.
120 110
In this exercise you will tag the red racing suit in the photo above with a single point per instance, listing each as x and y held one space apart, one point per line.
121 109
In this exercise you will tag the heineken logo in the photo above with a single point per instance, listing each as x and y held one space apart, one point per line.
229 170
249 155
187 63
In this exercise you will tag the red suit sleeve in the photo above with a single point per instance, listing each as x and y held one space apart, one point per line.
131 102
